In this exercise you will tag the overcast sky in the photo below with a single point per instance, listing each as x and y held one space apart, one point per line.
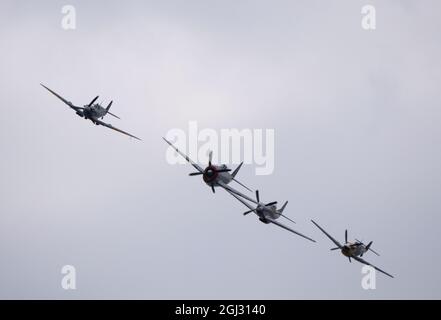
356 116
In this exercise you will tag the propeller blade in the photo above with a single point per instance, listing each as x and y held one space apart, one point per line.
350 259
247 212
257 196
212 188
223 170
346 235
91 103
210 157
195 173
335 248
271 203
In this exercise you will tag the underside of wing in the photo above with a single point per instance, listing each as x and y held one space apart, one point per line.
369 264
70 104
194 164
338 244
114 128
238 193
277 223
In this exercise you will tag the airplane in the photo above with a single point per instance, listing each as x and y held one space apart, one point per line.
215 175
268 213
354 250
92 111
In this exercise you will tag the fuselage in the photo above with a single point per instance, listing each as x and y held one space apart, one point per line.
353 249
264 212
93 112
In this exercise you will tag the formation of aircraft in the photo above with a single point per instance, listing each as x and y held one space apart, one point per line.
92 111
221 176
353 250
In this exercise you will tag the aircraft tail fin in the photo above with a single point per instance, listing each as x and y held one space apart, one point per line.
368 247
237 170
108 108
283 207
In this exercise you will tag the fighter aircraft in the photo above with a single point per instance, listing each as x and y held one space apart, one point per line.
215 175
354 250
268 213
92 111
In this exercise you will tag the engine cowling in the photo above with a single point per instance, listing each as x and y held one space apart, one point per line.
210 174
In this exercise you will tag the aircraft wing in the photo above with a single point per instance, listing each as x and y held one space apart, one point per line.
338 244
70 104
241 200
238 193
194 164
277 223
114 128
367 263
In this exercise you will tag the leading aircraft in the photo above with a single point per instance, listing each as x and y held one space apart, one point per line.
268 213
354 250
92 111
215 175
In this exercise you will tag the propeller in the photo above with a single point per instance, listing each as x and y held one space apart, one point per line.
249 211
210 158
199 173
258 200
212 188
346 236
336 248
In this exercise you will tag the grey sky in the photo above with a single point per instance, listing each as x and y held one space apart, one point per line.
356 116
